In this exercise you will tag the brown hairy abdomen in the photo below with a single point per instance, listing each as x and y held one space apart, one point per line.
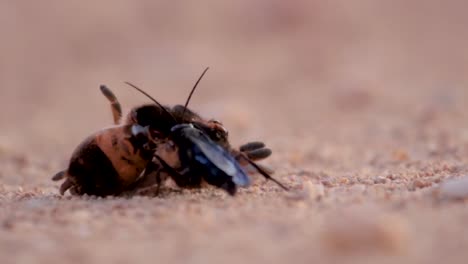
91 171
125 158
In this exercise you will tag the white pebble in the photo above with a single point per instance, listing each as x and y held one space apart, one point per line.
453 189
313 191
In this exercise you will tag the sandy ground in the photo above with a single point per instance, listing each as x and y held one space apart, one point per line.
363 104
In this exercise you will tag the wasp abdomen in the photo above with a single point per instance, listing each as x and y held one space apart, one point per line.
92 171
124 154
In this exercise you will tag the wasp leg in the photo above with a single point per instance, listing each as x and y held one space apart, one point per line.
183 179
261 170
254 145
255 150
59 175
187 180
149 183
251 169
75 190
242 158
67 184
115 105
158 178
258 154
149 189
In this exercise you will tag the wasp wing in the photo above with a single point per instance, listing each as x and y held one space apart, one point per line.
218 156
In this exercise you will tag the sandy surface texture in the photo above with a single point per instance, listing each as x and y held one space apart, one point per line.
363 103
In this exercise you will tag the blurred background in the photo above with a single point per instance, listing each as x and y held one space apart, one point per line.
363 103
279 69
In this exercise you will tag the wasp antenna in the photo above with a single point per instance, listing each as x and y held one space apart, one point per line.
193 90
265 174
152 99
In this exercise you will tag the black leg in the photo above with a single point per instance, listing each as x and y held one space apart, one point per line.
149 182
252 146
258 154
59 175
255 150
186 179
67 184
261 171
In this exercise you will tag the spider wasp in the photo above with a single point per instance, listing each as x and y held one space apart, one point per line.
155 139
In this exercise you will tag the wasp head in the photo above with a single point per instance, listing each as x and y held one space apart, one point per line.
152 116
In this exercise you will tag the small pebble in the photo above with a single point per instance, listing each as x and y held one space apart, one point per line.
343 181
380 180
313 190
327 183
454 189
309 191
419 184
400 155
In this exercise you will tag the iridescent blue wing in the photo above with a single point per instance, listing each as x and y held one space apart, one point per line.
210 152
